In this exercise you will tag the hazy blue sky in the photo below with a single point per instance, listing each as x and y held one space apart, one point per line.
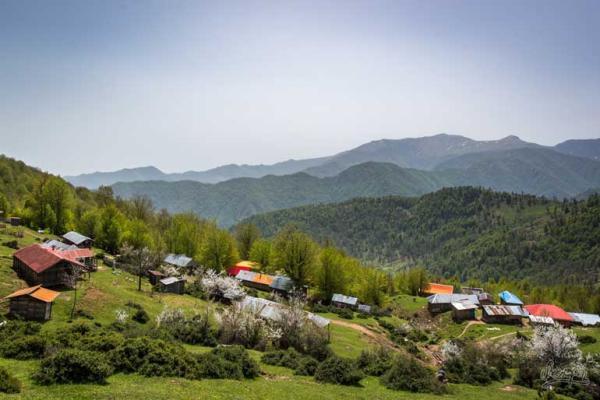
101 85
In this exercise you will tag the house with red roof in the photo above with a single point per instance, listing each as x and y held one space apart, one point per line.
550 310
39 265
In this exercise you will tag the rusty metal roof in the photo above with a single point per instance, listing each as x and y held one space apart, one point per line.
504 310
37 292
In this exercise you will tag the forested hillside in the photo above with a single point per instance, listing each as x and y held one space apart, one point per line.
467 232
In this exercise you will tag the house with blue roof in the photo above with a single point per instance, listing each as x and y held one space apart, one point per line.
509 299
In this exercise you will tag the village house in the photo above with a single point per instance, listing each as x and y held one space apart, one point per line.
439 303
241 266
255 280
32 303
502 314
485 298
46 266
83 255
550 310
343 301
180 261
172 285
471 290
77 239
364 309
585 319
155 276
437 288
509 299
536 320
462 311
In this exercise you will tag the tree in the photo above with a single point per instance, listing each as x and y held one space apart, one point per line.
295 252
184 233
110 229
141 208
71 280
218 250
331 276
246 234
261 253
143 258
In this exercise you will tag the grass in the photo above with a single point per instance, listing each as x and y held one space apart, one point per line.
277 383
411 304
594 332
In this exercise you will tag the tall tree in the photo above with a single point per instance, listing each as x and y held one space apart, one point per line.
218 250
331 276
246 234
295 252
261 253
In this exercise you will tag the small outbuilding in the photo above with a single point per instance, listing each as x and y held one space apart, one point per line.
77 239
502 314
509 299
364 309
462 311
343 301
32 303
485 298
14 221
537 320
585 319
172 285
155 276
180 261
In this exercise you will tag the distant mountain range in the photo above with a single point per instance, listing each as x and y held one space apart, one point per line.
425 153
531 169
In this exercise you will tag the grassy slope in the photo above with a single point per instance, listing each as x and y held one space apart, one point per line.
108 291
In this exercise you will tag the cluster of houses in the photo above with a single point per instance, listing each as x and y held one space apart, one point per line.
343 301
511 310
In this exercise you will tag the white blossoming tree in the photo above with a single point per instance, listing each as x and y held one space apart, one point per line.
220 286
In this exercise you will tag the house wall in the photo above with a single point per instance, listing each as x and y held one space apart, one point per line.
30 309
58 275
436 308
501 319
177 287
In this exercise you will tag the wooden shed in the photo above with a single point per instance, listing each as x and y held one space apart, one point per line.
462 311
155 276
77 239
32 303
343 301
502 314
172 285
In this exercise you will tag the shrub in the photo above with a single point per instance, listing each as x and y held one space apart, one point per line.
374 362
407 374
307 366
238 355
8 383
283 358
339 371
212 366
24 348
84 314
345 313
73 366
195 330
130 355
586 339
141 316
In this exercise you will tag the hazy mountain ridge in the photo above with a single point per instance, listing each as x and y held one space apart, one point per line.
537 171
419 153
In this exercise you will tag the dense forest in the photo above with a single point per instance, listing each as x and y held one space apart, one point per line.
464 232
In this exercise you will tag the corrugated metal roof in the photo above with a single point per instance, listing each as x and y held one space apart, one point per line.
451 298
263 279
438 288
586 319
365 308
244 275
178 260
461 306
75 237
510 298
170 280
548 310
39 258
272 311
340 298
53 243
536 319
504 310
319 321
37 292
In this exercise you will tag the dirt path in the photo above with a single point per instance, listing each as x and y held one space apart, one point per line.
469 324
503 335
374 336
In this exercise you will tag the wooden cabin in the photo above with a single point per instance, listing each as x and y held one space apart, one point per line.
155 276
172 285
463 311
503 314
439 303
32 303
180 261
255 280
343 301
48 267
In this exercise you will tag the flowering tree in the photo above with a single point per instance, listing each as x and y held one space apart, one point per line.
219 286
555 345
243 325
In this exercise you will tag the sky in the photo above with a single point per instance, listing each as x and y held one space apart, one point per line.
189 85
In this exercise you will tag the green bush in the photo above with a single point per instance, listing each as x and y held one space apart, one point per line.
586 339
337 370
407 374
130 355
307 366
284 358
141 316
374 362
195 330
24 348
212 366
345 313
238 355
73 366
8 383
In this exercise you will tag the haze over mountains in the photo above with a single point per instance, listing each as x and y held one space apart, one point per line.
378 169
420 153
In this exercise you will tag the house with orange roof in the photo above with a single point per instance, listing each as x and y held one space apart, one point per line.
32 303
437 288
